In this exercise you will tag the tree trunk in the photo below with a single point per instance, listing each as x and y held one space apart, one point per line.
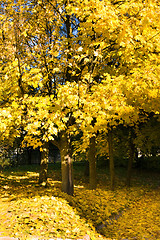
92 163
86 170
111 159
66 164
29 151
17 156
44 164
131 159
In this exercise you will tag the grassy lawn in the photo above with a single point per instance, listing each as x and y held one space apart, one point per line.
29 211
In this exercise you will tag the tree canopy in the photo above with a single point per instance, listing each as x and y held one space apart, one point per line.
77 66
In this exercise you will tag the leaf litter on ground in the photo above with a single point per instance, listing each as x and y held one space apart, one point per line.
29 211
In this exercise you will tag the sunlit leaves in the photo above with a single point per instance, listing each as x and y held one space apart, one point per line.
108 52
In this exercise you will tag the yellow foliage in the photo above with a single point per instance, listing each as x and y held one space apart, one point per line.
91 60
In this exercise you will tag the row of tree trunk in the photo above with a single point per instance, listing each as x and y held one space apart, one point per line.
64 146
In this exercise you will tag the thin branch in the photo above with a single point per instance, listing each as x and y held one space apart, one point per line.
56 10
153 36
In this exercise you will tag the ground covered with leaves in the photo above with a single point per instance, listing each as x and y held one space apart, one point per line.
29 211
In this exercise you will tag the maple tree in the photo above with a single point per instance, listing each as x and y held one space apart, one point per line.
68 67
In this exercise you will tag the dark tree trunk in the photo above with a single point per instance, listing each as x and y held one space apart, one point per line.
86 170
131 159
17 155
29 151
66 164
92 163
111 159
44 165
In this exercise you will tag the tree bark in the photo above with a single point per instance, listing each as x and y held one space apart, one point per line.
92 163
111 159
66 164
131 159
44 165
